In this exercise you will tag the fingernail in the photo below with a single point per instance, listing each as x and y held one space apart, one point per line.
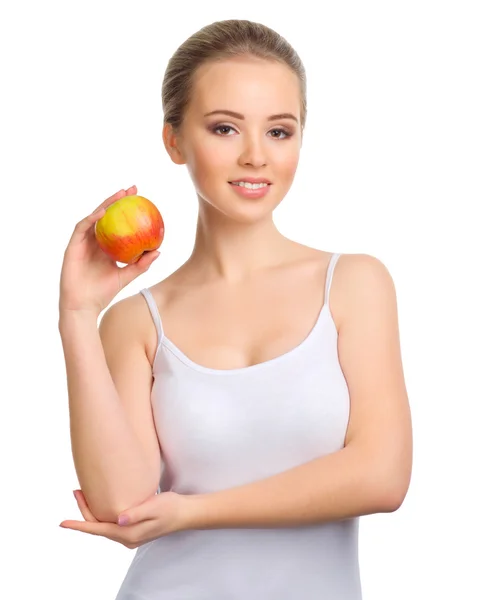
123 520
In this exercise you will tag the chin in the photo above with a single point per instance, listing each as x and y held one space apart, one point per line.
246 211
248 215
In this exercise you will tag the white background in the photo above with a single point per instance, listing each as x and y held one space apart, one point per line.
389 167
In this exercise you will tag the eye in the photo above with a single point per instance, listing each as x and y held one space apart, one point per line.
222 128
227 130
285 133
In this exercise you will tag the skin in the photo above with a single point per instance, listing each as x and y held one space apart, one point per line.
240 261
250 147
221 306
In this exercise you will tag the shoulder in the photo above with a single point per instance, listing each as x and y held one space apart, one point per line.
354 269
362 283
123 312
127 320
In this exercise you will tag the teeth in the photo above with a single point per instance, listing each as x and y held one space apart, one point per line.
251 186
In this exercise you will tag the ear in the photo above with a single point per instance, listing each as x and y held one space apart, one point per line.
171 142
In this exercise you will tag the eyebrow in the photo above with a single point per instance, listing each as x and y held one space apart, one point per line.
240 116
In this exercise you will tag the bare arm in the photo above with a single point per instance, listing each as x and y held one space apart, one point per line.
114 444
371 474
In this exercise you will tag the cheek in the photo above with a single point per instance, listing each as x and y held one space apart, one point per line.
206 173
209 161
288 163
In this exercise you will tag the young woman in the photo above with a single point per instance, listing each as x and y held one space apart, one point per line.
263 397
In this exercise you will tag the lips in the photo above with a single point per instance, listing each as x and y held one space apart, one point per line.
250 192
251 180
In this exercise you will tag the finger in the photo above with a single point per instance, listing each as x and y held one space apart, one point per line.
87 223
111 199
83 226
141 513
102 529
108 530
130 272
83 506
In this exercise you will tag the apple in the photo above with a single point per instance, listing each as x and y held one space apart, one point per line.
130 226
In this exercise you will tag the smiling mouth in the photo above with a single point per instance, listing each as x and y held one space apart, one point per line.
249 186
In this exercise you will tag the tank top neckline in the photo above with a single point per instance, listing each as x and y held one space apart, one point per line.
180 355
164 341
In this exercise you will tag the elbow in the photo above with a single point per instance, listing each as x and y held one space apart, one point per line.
392 502
394 496
389 490
125 504
109 511
108 515
105 512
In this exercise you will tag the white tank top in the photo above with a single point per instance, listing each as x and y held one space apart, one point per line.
220 428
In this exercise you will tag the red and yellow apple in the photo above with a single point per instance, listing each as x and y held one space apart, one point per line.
130 226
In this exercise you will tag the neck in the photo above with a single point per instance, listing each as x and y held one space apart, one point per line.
233 250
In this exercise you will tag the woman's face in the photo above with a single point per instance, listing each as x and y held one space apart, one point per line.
261 140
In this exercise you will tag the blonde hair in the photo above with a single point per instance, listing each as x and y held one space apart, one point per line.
217 41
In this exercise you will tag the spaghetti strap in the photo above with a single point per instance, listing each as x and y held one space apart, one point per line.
154 313
263 417
329 276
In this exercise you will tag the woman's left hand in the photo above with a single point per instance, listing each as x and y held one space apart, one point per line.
160 515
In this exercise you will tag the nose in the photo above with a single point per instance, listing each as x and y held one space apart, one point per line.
253 153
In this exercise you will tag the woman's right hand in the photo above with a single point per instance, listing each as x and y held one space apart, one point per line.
90 279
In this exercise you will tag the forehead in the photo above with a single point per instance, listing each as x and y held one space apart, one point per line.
248 85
